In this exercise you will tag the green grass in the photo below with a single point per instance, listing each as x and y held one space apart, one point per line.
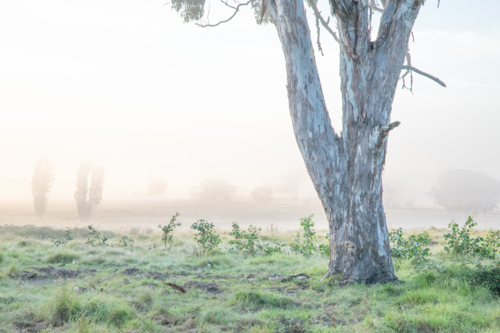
121 289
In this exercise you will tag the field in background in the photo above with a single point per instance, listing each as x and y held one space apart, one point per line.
123 215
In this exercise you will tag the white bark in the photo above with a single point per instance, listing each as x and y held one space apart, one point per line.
347 170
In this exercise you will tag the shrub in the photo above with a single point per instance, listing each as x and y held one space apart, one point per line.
167 229
95 237
306 244
413 248
64 240
206 237
245 241
325 248
126 241
460 242
275 247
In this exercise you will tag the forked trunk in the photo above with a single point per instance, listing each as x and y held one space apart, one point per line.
346 169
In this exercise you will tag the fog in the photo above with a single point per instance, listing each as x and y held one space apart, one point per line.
128 84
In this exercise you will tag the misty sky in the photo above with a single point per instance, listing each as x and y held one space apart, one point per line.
129 84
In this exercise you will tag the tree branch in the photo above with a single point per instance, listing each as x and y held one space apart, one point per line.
318 40
317 13
386 128
236 10
374 7
418 71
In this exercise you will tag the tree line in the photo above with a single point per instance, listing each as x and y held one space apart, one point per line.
458 191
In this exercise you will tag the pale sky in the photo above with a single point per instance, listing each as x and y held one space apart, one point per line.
149 97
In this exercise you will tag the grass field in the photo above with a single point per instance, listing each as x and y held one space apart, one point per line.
82 288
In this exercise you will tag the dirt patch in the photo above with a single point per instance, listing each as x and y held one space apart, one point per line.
114 265
45 274
155 275
132 271
210 287
50 271
30 324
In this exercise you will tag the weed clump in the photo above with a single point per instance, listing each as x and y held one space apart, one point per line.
64 240
126 241
245 241
206 237
64 308
414 248
95 237
460 242
166 236
306 243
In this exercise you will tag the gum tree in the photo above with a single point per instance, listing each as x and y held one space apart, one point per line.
345 166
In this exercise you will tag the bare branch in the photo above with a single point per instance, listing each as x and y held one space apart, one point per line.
236 10
386 128
317 13
418 71
227 4
318 40
374 7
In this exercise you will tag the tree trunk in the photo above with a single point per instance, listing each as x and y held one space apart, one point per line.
346 169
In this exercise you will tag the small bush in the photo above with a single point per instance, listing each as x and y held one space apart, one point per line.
166 237
206 237
305 245
275 247
126 241
414 248
64 240
460 242
324 249
95 237
245 241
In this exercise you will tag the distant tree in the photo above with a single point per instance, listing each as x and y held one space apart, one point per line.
466 192
213 190
156 188
290 183
121 193
41 183
87 195
409 199
262 194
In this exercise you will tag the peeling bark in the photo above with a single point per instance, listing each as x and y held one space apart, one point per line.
346 169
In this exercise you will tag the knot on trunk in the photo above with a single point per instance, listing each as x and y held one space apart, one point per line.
380 132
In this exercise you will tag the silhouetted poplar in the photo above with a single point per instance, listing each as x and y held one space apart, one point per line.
89 185
41 183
